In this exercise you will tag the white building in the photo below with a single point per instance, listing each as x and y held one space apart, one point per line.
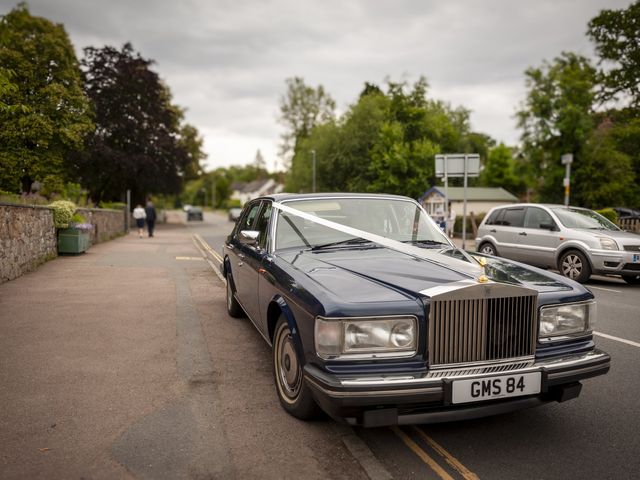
479 199
248 191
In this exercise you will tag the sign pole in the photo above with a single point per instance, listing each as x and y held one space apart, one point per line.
567 160
464 206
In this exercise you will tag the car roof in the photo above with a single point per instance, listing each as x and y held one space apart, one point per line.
547 205
281 197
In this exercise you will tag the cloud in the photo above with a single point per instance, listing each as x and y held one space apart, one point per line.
226 61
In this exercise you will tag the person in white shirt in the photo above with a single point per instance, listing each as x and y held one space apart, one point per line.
139 214
451 221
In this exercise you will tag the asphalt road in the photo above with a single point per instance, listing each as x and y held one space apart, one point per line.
594 436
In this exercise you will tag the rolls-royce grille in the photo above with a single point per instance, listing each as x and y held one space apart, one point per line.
481 329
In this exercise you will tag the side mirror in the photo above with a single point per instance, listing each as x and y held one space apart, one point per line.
249 237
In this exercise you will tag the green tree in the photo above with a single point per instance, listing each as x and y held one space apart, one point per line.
137 143
500 170
301 108
44 113
616 34
191 142
556 118
606 176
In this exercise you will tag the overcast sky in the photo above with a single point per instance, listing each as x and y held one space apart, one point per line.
226 61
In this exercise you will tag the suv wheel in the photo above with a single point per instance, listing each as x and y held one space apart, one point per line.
574 265
488 249
631 279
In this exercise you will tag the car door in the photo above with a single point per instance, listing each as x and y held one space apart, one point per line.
539 238
254 259
244 280
508 226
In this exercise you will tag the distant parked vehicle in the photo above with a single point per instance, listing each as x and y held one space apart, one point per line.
627 213
234 213
576 241
187 207
194 213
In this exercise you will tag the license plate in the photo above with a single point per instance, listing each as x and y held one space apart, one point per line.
636 258
491 388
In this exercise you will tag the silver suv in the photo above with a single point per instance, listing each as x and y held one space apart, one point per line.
576 241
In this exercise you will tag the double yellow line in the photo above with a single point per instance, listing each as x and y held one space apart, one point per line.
453 462
207 248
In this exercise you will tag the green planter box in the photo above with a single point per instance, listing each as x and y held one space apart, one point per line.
72 240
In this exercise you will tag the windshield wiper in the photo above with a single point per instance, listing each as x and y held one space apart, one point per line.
426 242
349 241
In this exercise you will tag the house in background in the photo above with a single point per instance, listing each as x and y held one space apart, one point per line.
248 191
479 199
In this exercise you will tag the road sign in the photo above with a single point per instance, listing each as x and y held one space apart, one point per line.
453 165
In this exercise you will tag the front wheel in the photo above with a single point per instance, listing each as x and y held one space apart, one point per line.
574 265
293 393
632 279
488 249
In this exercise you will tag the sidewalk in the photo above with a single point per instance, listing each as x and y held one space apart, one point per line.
122 363
85 350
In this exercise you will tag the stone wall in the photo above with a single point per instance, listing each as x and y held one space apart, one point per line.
28 237
108 223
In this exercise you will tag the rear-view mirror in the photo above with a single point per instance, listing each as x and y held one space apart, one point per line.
249 237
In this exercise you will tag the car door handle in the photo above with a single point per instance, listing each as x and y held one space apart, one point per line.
523 233
493 230
241 257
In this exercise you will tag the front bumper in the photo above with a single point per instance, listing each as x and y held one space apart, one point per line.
619 262
374 401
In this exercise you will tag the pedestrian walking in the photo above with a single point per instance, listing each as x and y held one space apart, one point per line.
150 211
451 221
139 214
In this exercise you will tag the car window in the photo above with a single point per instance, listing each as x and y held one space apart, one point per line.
582 218
537 216
493 217
513 217
246 222
263 224
397 219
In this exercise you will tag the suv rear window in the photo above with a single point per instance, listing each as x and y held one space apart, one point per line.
493 217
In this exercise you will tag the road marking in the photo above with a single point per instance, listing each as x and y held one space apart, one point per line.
208 248
422 454
190 258
617 339
215 269
605 289
450 459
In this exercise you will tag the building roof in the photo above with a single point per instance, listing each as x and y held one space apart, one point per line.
477 194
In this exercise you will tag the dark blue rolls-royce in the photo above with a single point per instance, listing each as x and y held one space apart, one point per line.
377 319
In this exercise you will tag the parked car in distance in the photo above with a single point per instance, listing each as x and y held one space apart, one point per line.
577 241
234 213
376 318
627 213
194 213
187 207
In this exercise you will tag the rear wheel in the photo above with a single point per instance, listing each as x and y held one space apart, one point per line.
574 265
488 249
294 394
632 279
233 307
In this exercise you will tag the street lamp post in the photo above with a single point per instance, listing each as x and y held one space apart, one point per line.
313 168
567 160
204 197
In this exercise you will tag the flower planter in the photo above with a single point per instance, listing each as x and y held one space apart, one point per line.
73 240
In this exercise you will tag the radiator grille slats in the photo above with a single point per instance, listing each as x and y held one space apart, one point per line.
481 329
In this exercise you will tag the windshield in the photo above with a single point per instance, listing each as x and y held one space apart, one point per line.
401 220
582 218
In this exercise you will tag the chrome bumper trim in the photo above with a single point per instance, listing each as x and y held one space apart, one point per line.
406 384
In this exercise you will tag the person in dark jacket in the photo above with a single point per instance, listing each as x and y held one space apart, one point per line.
150 210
